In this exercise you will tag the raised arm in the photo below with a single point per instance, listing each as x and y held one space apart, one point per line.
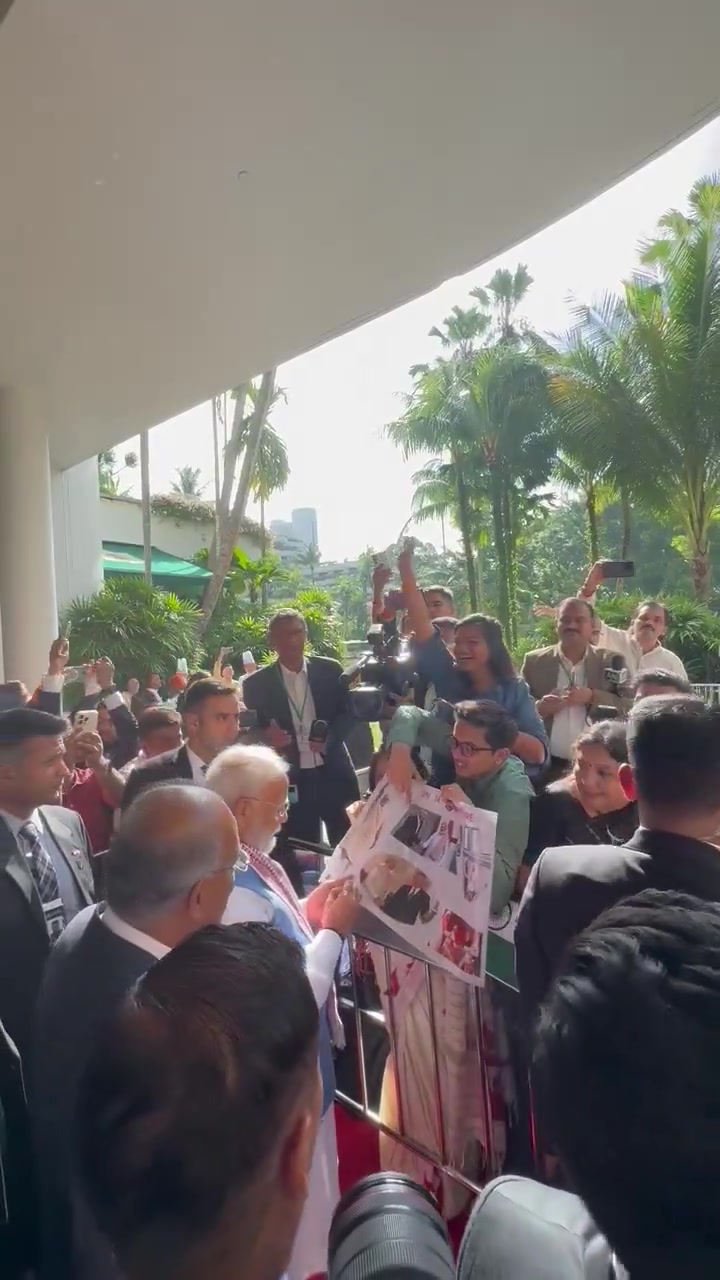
420 620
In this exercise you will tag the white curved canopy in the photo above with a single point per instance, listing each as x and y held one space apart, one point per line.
195 191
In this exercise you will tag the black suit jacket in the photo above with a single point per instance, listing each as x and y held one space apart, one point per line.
171 766
265 693
24 942
570 887
89 971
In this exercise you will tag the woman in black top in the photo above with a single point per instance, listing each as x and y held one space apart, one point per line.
588 805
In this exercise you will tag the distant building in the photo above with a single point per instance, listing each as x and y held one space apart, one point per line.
291 538
329 572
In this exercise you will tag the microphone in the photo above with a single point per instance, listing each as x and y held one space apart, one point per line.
616 673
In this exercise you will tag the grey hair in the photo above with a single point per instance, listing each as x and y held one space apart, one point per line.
242 771
168 840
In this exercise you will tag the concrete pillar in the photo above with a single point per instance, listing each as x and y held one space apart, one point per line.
76 532
28 604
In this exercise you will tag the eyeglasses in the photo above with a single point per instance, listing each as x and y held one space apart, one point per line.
467 749
281 810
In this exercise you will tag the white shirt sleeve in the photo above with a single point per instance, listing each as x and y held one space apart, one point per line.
321 957
617 641
244 906
53 684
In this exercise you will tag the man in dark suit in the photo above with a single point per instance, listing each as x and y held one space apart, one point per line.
290 696
674 774
626 1056
46 874
169 872
211 717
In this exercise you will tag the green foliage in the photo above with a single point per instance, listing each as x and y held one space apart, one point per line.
693 631
140 628
324 625
183 507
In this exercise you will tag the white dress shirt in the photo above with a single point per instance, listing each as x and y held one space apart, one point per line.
569 723
636 661
135 937
198 766
302 710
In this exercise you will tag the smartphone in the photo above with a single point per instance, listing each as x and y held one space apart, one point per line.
617 568
292 794
248 719
394 601
66 631
318 731
86 721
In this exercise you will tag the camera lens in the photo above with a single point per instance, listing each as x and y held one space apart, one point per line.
387 1226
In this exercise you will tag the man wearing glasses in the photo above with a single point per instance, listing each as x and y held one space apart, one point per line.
486 774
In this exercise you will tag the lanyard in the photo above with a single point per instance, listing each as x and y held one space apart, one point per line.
301 711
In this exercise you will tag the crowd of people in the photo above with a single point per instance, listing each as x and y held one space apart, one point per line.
169 1023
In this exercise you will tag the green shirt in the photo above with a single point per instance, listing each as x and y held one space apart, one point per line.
506 792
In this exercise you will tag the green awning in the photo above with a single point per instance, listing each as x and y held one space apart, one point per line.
170 573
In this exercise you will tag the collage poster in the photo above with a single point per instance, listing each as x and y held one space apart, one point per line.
424 868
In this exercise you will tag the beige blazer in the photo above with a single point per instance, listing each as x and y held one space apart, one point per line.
541 670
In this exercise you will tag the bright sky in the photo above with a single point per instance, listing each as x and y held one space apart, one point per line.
348 389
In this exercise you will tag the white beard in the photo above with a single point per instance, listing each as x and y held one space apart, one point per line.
268 846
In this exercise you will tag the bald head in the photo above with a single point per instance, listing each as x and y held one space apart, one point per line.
171 839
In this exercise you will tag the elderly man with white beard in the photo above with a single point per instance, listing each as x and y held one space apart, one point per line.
253 783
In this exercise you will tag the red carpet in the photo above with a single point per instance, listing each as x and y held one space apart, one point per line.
358 1155
357 1147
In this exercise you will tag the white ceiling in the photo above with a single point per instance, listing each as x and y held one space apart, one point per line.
194 191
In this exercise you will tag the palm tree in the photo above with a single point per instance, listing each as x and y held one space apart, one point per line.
644 387
434 422
310 559
188 482
272 472
109 472
500 300
146 508
244 441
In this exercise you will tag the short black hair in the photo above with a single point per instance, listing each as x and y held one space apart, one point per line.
197 675
610 734
577 600
439 623
154 718
284 615
440 591
500 728
22 723
626 1057
674 750
185 1095
203 689
665 679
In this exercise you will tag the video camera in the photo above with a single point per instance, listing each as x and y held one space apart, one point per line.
386 1227
380 676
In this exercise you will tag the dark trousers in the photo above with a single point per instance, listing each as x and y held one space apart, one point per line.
321 799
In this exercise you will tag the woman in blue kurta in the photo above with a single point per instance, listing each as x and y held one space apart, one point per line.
480 668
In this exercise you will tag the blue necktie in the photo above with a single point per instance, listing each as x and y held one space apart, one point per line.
46 881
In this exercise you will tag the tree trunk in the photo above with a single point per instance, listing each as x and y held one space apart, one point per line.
626 523
700 568
464 519
146 512
591 509
263 549
500 554
510 537
231 517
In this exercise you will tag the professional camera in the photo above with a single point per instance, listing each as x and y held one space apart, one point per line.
387 1227
380 676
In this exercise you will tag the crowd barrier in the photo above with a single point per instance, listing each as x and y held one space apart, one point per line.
498 1085
709 693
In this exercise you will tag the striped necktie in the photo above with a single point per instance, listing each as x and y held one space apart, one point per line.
46 881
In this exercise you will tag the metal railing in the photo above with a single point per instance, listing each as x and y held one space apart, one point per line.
497 1090
708 692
